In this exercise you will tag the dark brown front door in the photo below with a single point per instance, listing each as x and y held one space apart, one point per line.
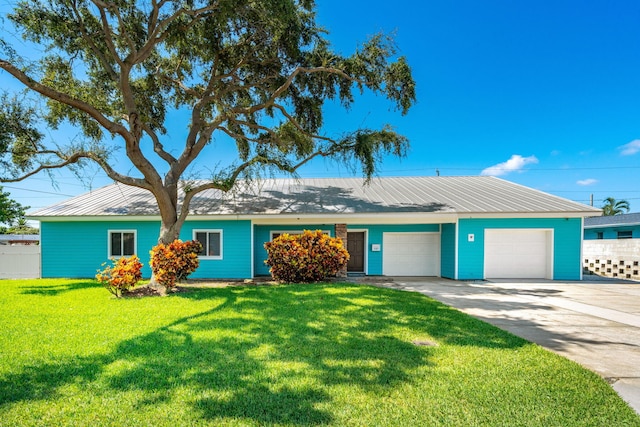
355 247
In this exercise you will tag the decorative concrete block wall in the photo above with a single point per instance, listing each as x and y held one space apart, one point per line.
612 258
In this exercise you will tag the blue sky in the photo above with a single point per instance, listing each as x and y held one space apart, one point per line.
542 93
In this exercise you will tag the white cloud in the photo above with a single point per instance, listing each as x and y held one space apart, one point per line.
631 148
588 181
514 164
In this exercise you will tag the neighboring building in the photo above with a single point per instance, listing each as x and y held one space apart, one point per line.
19 239
612 246
456 227
623 226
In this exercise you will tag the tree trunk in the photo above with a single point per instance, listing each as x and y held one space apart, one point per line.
169 231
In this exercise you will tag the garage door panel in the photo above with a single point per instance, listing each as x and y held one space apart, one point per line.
518 253
411 254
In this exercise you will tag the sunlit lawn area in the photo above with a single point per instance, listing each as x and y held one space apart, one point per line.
331 354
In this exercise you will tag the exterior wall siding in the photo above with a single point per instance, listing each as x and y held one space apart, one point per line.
611 232
78 249
566 244
236 249
448 251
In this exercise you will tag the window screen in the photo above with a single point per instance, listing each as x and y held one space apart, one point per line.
211 242
122 243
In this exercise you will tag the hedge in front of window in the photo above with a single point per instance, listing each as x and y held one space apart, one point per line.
175 261
308 257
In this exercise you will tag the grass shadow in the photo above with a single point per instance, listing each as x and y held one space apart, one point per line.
269 355
57 289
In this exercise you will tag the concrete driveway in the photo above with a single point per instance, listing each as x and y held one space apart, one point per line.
595 323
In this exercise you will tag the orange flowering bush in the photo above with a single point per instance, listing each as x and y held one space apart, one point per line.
175 261
308 257
123 275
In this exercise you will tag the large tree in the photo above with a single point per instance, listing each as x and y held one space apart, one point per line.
257 72
10 210
614 207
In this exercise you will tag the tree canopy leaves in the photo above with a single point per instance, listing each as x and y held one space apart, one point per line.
10 210
614 207
257 72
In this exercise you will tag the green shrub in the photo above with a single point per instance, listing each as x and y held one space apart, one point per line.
175 261
308 257
123 275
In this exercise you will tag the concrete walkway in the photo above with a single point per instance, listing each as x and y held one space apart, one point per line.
594 323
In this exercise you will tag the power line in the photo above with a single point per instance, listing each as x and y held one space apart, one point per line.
37 191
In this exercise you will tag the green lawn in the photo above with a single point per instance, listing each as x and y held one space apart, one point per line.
70 354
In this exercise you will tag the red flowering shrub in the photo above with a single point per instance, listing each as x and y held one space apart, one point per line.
175 261
308 257
125 273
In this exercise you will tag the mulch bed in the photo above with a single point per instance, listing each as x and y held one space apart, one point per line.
190 285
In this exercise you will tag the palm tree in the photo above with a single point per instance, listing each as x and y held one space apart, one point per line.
614 207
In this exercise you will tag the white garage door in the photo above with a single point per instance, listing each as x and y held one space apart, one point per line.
518 254
411 254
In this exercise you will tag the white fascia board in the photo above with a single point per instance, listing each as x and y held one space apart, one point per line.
292 218
94 218
354 219
524 215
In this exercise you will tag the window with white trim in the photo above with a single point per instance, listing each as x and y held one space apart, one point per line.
122 243
211 241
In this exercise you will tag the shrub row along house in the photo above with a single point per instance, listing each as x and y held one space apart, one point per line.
463 228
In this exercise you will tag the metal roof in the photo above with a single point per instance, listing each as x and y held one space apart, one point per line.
612 220
428 195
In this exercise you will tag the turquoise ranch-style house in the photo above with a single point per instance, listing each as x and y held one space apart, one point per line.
464 228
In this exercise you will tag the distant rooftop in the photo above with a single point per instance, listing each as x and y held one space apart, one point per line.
429 195
617 220
7 239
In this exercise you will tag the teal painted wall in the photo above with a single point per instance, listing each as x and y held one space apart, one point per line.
566 244
78 249
262 234
611 232
448 251
236 249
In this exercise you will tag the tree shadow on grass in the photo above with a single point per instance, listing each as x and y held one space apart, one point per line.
41 382
57 289
268 355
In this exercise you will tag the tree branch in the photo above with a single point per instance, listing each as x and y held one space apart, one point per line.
157 145
75 158
94 48
108 34
278 92
65 99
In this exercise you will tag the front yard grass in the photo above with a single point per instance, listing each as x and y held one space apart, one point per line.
325 354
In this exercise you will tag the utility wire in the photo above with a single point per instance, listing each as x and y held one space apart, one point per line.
37 191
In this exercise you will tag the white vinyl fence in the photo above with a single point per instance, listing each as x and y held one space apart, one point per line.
19 262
